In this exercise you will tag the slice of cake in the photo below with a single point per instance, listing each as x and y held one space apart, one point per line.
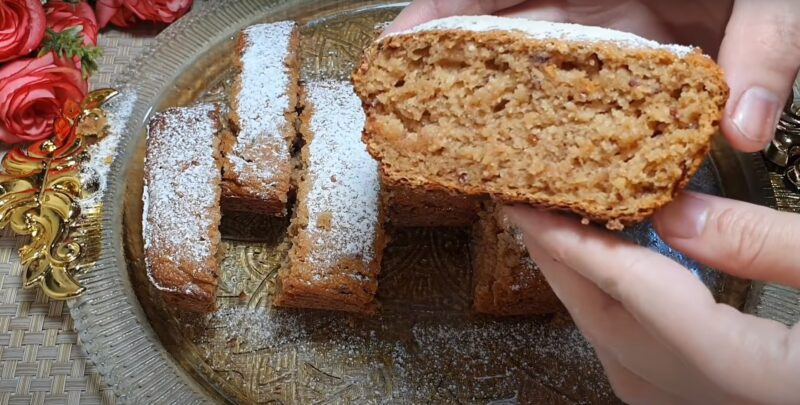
416 207
603 123
181 205
257 168
506 281
336 232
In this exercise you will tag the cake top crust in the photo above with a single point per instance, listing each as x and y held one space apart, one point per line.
263 97
344 178
545 30
180 164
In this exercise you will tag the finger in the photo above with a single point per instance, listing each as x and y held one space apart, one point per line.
545 10
421 11
612 329
622 15
749 357
629 387
760 54
745 240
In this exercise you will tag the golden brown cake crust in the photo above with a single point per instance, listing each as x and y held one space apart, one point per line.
182 215
257 168
505 280
336 233
408 128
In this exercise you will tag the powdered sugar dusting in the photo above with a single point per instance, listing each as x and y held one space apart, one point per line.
407 359
258 327
545 30
181 192
344 185
261 105
94 172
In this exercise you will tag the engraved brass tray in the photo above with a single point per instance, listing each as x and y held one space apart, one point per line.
425 346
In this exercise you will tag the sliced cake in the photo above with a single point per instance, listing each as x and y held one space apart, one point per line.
336 232
417 207
257 168
181 205
506 281
600 122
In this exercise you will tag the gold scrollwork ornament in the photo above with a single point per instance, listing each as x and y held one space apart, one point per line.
40 190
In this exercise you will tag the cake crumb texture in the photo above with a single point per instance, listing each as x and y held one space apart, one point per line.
336 232
258 167
605 124
181 205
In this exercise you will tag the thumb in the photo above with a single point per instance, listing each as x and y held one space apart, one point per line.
760 55
420 11
745 240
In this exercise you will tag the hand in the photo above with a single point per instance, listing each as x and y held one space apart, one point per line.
757 43
656 328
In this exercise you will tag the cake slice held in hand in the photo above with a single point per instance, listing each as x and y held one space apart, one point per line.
599 122
181 205
336 232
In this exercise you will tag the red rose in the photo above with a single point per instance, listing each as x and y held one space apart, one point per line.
32 93
166 11
22 24
62 15
123 13
114 12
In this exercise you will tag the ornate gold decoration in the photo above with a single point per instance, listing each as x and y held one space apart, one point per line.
40 189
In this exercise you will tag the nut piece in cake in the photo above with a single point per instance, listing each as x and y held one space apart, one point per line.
506 281
599 122
181 205
336 233
257 168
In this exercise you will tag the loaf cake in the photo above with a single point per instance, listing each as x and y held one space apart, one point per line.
417 207
257 168
181 205
599 122
506 281
336 231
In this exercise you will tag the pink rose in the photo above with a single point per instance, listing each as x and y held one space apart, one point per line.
123 13
32 94
22 24
62 15
113 11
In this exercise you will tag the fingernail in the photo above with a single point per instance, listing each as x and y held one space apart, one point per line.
684 218
756 114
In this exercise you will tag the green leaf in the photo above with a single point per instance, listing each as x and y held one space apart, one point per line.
69 44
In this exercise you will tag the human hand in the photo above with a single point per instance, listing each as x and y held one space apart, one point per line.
656 328
757 43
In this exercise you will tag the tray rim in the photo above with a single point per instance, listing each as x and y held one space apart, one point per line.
147 372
